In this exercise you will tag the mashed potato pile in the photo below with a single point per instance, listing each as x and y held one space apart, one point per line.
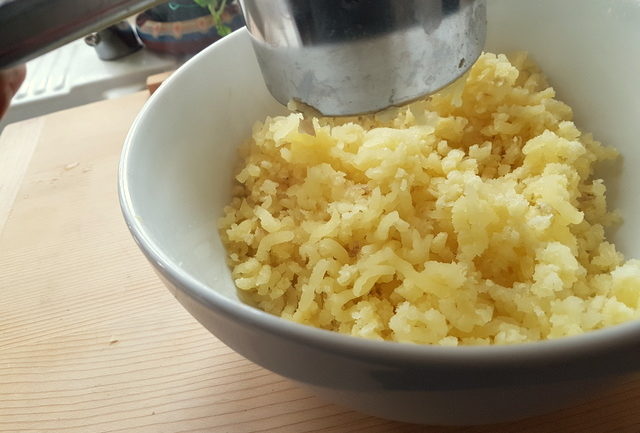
468 218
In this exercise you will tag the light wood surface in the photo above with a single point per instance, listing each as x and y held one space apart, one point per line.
154 81
16 148
90 340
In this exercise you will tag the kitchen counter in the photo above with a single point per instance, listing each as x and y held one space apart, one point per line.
91 341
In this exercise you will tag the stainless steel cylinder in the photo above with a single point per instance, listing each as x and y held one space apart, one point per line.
347 57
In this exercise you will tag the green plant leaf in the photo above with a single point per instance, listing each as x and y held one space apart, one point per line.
216 7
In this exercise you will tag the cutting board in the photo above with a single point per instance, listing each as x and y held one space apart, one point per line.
90 340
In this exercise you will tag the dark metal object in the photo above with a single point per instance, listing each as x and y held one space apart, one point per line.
29 28
114 42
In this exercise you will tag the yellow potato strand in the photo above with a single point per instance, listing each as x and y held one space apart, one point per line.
467 218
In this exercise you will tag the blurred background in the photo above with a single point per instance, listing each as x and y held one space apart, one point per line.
119 59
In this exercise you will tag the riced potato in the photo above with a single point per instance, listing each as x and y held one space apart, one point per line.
468 218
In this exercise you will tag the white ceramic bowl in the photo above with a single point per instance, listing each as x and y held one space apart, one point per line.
175 177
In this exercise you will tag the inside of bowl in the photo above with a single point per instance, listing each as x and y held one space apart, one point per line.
590 52
180 171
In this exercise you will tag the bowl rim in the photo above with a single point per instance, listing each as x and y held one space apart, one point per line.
563 348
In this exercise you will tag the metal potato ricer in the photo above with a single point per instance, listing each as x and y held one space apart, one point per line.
355 56
340 57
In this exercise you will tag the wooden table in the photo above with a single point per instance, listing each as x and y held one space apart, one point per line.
90 340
